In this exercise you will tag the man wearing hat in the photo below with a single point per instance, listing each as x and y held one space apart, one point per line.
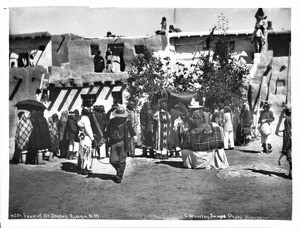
117 134
265 120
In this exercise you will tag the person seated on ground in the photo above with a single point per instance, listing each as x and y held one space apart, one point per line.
172 29
206 149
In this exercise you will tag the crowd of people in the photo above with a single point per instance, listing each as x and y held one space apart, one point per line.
183 130
190 132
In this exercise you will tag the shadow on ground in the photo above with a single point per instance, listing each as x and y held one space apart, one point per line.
250 151
265 172
175 164
69 167
102 176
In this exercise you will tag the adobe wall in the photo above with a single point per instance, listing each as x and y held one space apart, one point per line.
81 58
60 50
26 90
270 80
44 58
35 46
189 47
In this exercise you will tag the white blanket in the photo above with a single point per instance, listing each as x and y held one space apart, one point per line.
204 160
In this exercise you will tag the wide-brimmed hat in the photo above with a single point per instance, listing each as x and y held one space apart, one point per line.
195 104
120 112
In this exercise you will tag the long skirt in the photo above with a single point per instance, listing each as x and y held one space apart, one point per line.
85 156
215 159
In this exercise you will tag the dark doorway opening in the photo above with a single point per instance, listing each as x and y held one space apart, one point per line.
23 60
117 97
118 52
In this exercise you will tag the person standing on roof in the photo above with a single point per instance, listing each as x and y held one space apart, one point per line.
260 20
163 26
258 39
258 36
99 64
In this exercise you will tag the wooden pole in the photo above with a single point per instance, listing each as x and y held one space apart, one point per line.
257 109
288 88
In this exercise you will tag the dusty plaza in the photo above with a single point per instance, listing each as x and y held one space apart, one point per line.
253 187
150 117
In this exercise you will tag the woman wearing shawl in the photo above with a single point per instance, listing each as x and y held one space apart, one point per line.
54 135
86 137
34 140
23 132
213 157
72 134
134 121
163 123
44 131
97 130
101 116
63 141
246 122
146 121
41 141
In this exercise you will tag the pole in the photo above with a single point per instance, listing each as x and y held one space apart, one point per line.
42 81
257 109
288 88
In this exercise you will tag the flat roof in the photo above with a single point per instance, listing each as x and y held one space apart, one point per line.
30 35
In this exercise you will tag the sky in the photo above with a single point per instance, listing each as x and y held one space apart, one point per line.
95 22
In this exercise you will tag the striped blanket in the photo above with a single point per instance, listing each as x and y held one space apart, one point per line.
206 142
23 132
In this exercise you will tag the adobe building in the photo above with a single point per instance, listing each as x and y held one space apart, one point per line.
64 67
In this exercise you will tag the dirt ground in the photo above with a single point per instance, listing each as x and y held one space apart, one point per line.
253 187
